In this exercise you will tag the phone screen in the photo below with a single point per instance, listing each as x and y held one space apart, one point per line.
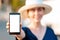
14 23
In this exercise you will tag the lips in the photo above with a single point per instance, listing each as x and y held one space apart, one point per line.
38 17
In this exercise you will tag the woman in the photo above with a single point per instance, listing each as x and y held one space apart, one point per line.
35 9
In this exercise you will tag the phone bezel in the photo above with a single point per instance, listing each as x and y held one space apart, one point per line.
9 22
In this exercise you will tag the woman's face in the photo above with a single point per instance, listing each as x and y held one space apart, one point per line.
35 14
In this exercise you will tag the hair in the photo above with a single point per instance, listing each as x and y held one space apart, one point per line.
31 8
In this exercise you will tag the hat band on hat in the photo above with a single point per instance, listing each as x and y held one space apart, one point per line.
30 2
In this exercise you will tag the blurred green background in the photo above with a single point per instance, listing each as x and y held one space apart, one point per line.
16 4
7 6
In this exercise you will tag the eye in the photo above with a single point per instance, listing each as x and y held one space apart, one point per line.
40 9
33 9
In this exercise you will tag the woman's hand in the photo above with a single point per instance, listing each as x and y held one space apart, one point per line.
19 37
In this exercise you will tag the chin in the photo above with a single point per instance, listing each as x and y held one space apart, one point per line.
37 20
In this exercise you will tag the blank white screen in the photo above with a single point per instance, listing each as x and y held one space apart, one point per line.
14 23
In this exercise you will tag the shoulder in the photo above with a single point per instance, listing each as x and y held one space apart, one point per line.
50 31
24 28
50 34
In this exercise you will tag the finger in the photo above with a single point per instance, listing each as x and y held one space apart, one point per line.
7 27
7 24
18 37
20 24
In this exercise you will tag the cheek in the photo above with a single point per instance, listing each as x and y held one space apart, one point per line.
30 15
41 13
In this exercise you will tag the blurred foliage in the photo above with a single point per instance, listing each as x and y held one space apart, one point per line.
16 4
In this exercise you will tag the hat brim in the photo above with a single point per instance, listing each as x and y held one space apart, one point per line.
24 8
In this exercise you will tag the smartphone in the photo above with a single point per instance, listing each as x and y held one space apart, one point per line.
14 20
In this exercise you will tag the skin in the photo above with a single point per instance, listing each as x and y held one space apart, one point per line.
35 16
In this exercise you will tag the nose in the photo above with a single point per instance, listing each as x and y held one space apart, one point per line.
36 12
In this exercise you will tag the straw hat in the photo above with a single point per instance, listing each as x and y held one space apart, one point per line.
32 4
